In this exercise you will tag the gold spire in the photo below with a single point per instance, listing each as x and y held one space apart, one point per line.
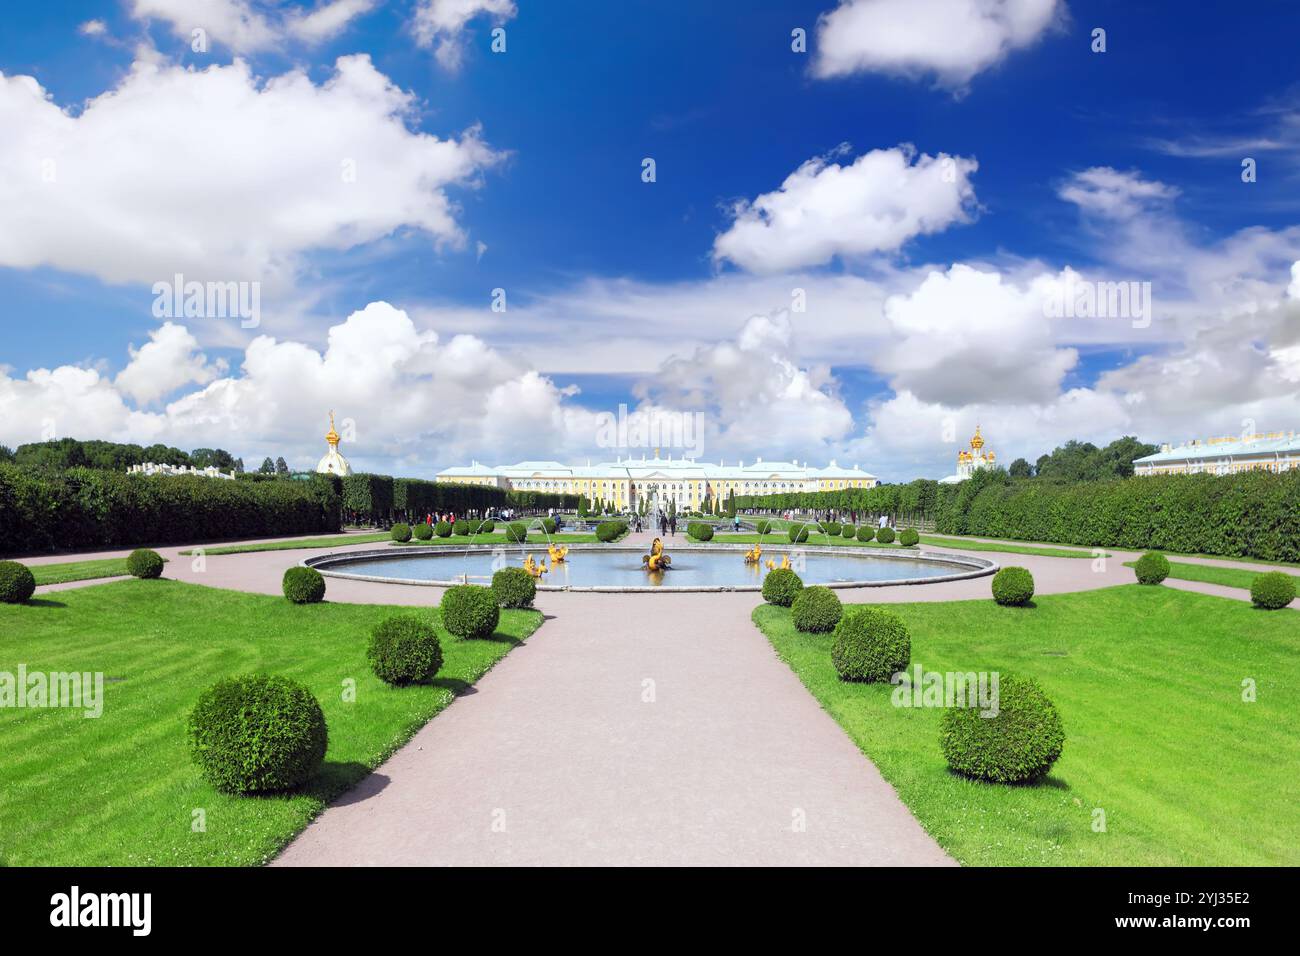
977 442
332 436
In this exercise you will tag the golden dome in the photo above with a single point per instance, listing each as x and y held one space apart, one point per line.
964 456
332 436
977 442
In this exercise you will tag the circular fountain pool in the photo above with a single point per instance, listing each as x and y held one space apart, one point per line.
694 568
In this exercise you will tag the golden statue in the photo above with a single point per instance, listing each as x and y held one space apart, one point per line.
785 563
533 568
656 560
753 554
557 552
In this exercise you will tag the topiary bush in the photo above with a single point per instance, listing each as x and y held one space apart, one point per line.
607 531
781 587
470 610
797 533
866 533
143 563
908 538
514 587
422 531
487 527
1151 568
442 529
516 532
401 531
462 528
832 528
870 644
257 734
303 585
700 531
1013 586
404 649
549 525
763 527
1272 590
816 610
849 530
17 583
885 535
1018 745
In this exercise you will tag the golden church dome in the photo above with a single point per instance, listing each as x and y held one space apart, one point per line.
977 442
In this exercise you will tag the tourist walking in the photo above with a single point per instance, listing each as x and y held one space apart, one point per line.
672 525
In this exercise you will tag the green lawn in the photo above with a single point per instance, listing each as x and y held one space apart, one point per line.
1148 681
78 570
969 544
120 790
1209 573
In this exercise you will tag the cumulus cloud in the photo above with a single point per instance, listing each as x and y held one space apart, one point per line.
951 40
441 24
244 175
824 210
248 27
1115 194
169 360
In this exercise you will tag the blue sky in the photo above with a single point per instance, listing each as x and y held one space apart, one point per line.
590 256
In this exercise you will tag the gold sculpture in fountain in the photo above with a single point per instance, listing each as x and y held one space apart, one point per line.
558 552
785 563
533 568
753 554
656 560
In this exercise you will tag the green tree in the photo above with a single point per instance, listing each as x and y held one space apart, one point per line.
1020 469
281 466
267 467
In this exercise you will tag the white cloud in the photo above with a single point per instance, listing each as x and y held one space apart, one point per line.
244 176
440 24
93 28
952 40
823 210
169 360
1113 194
248 27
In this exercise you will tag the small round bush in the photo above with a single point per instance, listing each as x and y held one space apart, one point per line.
442 529
462 528
549 525
816 610
908 538
143 563
866 533
17 583
487 527
870 644
470 610
401 531
303 585
257 734
849 530
514 587
1013 586
797 533
763 527
781 587
607 531
516 532
832 528
404 649
1152 568
1272 590
1019 745
885 535
422 531
700 531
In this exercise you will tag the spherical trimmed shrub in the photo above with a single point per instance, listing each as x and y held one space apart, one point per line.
17 583
461 528
885 535
1013 586
870 644
514 587
866 533
849 530
549 525
816 610
442 529
1272 590
908 538
763 527
607 531
1019 745
1151 568
422 531
257 734
487 527
470 610
143 563
303 585
516 532
781 587
404 649
401 531
797 533
832 528
700 531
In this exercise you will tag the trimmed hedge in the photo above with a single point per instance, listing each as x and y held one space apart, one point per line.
885 535
461 528
1273 590
1013 586
1151 568
401 531
303 585
781 587
908 538
486 527
763 527
422 531
516 532
797 533
404 649
514 587
143 563
1019 745
816 610
849 531
549 525
470 611
700 531
257 734
607 531
17 583
870 644
832 528
442 529
866 533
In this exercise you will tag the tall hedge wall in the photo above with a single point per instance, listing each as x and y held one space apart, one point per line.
85 507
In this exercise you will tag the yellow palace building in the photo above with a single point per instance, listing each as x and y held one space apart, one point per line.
627 482
1274 451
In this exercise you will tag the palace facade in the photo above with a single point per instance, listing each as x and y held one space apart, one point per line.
627 482
1274 451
